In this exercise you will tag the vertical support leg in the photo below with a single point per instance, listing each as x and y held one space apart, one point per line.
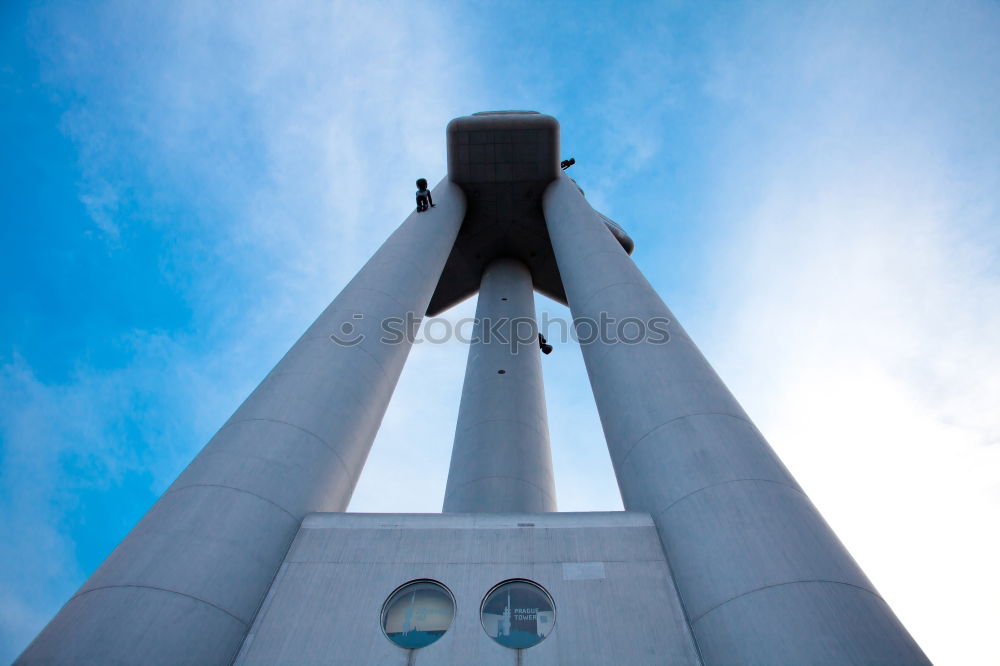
184 585
501 460
762 577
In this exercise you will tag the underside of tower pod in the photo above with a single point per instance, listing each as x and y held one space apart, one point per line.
503 161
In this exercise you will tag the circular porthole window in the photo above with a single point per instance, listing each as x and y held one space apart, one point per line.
518 614
417 614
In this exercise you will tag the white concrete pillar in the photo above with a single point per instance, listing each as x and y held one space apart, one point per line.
501 461
762 577
185 584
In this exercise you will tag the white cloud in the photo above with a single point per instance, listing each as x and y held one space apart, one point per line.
855 298
58 440
870 363
101 202
290 137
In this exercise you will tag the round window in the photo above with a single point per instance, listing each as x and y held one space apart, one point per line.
518 614
417 614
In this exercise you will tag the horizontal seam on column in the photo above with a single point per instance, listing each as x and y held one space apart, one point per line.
359 288
791 582
163 589
604 288
234 489
723 483
377 362
278 373
306 336
679 418
430 246
300 428
359 406
415 265
673 337
245 456
518 421
384 293
499 476
466 452
585 257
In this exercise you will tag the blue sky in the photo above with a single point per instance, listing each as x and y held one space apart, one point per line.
813 189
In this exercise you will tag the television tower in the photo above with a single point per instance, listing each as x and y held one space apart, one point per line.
718 558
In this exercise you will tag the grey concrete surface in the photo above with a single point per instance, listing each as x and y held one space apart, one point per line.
732 521
606 573
185 584
501 460
720 558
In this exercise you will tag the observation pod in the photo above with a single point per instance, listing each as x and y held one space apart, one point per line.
719 557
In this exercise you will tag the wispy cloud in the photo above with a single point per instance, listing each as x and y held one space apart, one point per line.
268 151
59 441
856 291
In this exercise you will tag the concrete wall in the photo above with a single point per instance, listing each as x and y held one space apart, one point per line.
501 460
606 573
761 576
184 585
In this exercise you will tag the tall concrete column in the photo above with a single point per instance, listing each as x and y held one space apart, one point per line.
501 461
184 585
761 576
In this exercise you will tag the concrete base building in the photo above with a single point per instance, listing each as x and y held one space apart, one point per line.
719 557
